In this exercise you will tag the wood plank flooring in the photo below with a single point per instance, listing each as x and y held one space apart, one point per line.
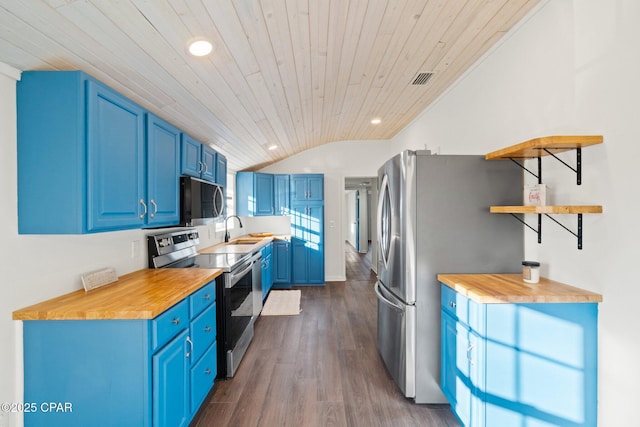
320 368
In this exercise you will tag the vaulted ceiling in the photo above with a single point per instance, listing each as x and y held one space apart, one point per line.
291 73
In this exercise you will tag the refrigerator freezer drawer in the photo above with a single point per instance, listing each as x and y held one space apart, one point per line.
396 339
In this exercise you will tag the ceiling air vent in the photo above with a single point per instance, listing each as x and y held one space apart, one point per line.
421 79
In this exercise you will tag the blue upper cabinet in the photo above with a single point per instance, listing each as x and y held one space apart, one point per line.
115 163
198 159
221 170
86 160
254 194
281 194
80 156
163 170
307 188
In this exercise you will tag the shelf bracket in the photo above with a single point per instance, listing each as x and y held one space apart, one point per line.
538 231
538 175
577 169
578 234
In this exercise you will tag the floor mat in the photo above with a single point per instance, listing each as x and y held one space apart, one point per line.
282 303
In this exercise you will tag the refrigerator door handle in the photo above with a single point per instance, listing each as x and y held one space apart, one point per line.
385 300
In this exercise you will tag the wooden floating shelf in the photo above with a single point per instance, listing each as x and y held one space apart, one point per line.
544 146
595 209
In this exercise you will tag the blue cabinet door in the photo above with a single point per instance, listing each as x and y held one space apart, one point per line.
163 170
197 159
267 270
221 170
115 160
254 194
171 383
307 188
281 194
299 263
315 188
190 162
209 160
281 262
307 244
263 193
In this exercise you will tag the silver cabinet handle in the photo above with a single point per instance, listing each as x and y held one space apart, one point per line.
145 208
452 304
207 371
176 321
207 329
190 347
207 297
201 166
155 208
469 358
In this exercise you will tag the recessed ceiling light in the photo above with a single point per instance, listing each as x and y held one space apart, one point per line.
200 47
375 121
273 147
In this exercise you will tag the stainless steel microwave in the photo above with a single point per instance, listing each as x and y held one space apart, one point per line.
201 202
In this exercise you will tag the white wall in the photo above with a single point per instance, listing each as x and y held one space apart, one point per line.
336 161
572 68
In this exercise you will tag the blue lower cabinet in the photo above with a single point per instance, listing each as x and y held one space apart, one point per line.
203 375
307 244
267 270
281 264
519 364
171 383
138 373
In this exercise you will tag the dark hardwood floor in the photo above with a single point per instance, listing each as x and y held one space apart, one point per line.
320 368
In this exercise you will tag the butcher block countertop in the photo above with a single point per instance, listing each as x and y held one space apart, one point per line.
142 294
510 288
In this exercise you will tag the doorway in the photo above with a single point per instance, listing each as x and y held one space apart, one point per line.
361 199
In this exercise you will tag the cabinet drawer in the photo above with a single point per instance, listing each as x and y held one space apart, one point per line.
203 375
202 298
266 251
203 332
462 309
168 324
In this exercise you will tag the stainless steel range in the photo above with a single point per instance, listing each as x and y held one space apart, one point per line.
235 289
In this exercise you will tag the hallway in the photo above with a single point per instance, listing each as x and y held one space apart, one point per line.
320 368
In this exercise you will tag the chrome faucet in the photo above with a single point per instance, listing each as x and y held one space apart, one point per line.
226 233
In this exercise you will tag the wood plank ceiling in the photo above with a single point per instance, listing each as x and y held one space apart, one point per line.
290 73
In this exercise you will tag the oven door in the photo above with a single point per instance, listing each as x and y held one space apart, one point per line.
238 301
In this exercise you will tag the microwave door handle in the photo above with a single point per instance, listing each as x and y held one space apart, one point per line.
217 212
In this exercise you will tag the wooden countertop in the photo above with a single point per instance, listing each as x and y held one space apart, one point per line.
510 288
142 294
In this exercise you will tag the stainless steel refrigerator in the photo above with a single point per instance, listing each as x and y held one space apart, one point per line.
433 217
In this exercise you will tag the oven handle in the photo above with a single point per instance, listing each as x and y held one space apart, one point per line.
234 277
